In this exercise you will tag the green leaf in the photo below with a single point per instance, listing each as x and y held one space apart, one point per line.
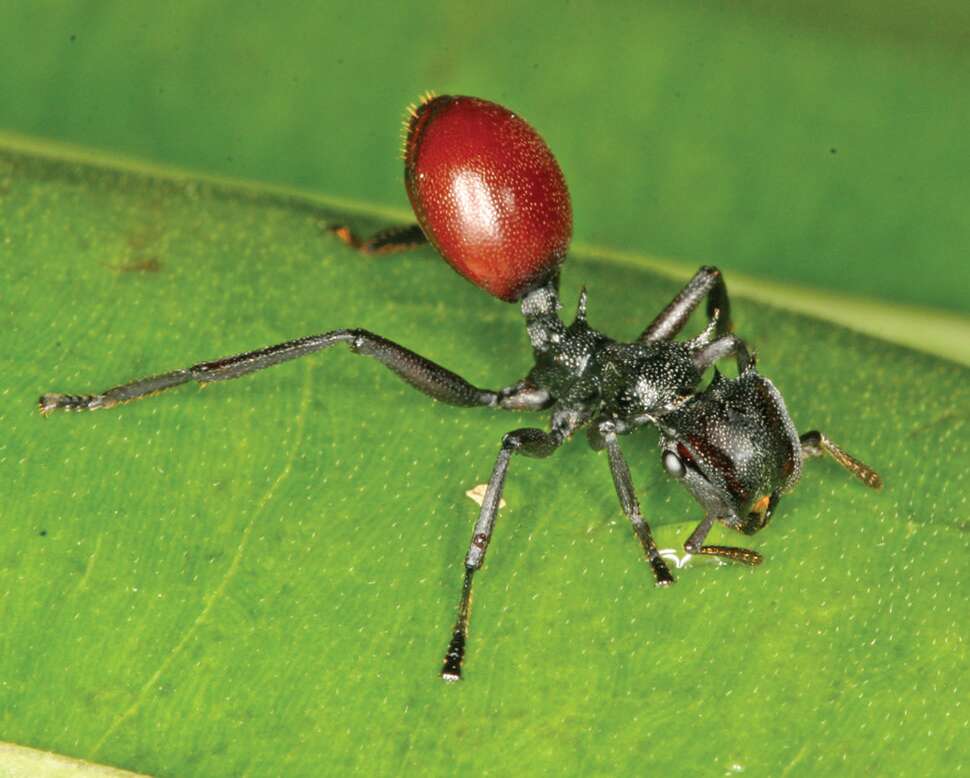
261 578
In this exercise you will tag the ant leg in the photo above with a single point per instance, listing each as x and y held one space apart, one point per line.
815 444
386 241
671 320
423 374
709 353
531 442
631 506
695 545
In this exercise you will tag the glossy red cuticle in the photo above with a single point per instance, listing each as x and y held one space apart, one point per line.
488 193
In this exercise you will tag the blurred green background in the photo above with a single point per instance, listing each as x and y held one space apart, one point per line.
818 142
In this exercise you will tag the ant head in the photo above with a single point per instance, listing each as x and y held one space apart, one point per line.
734 446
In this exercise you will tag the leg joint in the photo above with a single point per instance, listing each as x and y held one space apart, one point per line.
358 339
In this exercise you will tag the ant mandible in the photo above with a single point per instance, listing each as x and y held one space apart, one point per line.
490 197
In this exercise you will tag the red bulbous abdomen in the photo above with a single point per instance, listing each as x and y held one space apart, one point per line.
488 193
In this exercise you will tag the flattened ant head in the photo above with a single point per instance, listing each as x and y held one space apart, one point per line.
735 448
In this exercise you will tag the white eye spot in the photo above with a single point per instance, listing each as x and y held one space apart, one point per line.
673 465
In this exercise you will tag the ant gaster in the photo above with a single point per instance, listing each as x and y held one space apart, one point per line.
490 197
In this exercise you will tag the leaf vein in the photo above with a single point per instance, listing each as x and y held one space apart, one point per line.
218 593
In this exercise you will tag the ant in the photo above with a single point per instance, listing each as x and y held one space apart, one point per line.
489 195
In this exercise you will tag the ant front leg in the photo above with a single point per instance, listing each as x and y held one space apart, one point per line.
387 241
815 444
530 442
421 373
671 320
606 434
695 545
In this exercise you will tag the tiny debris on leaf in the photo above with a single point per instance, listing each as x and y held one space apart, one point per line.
477 493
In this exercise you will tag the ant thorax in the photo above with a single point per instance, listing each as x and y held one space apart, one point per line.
584 370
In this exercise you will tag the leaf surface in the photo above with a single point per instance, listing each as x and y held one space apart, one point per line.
261 578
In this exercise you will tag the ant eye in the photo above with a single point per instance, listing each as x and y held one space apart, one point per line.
673 465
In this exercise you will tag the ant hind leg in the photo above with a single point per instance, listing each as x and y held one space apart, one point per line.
424 375
387 241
